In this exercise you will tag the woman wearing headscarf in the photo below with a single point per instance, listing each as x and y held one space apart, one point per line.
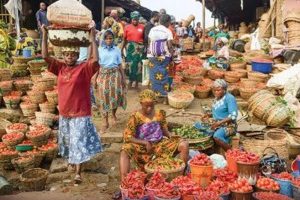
147 135
221 57
224 113
160 54
117 27
111 81
77 137
134 42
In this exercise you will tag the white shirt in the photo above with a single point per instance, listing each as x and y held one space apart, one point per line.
160 32
158 45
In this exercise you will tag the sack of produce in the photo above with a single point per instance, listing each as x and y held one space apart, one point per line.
69 37
69 13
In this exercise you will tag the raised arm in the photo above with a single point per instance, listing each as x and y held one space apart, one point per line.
94 56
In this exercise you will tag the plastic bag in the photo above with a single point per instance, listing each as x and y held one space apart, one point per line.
218 161
145 73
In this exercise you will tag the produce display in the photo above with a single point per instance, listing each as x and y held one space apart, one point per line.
165 164
167 191
8 152
218 187
186 185
241 186
17 127
188 132
270 196
208 195
156 181
243 156
267 184
201 159
48 146
134 183
283 176
225 175
12 138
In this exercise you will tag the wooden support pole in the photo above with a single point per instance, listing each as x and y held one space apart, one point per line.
203 23
102 10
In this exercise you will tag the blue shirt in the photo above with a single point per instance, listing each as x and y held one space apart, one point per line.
226 107
41 16
109 57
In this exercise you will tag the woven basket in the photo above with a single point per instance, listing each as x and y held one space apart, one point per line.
29 109
47 107
12 103
184 87
193 80
21 167
238 65
198 140
50 154
34 179
36 97
22 85
246 93
44 118
3 124
260 103
215 74
258 147
5 75
257 76
37 64
232 77
14 142
35 71
49 75
6 165
202 94
40 139
44 84
177 102
278 116
21 60
6 87
276 134
22 130
19 67
242 72
52 97
35 78
171 174
37 155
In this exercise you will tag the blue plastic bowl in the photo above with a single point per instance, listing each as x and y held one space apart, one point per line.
263 66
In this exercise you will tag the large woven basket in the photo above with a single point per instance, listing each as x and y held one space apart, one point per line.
36 97
184 87
22 129
40 139
44 84
34 179
22 85
258 146
243 73
21 167
176 101
276 134
6 87
28 109
44 118
5 75
238 65
37 64
47 107
194 80
15 141
202 94
278 116
3 124
21 59
19 67
52 96
246 93
257 76
232 77
215 74
50 154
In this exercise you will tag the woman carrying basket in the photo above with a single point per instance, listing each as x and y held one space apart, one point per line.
78 139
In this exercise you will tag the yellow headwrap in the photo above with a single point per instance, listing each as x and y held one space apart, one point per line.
70 49
147 96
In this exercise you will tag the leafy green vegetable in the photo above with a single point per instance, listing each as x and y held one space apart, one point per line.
189 132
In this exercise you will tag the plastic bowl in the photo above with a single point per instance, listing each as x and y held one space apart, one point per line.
26 147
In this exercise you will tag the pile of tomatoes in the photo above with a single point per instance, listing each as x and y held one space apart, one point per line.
243 156
283 176
241 186
186 185
17 127
201 160
267 184
48 146
168 191
218 187
134 183
208 195
12 136
8 152
270 196
156 181
26 142
225 175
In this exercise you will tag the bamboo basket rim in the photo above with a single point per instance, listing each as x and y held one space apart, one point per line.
148 170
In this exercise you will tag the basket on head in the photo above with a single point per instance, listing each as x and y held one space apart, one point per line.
34 179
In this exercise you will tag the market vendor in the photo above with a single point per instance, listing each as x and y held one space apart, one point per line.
25 42
224 112
146 136
221 57
77 136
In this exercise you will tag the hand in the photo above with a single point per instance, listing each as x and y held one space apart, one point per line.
148 147
92 25
215 125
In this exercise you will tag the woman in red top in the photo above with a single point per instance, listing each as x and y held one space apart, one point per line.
134 42
78 139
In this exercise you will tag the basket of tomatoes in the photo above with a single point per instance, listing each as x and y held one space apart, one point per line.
11 101
187 187
12 139
219 187
156 182
202 91
167 192
241 189
269 196
267 185
38 135
132 186
6 155
50 149
37 155
16 127
23 163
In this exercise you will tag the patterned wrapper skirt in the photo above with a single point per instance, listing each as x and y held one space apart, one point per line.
134 57
159 78
78 139
138 153
110 91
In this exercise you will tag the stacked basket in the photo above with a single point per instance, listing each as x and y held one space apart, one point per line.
19 67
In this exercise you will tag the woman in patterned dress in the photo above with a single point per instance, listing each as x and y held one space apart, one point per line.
111 79
77 138
224 112
147 135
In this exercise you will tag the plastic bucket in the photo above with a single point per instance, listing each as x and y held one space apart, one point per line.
26 53
248 171
263 66
231 163
202 175
296 192
241 196
285 187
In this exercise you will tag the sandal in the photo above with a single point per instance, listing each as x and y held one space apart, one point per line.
117 195
77 179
